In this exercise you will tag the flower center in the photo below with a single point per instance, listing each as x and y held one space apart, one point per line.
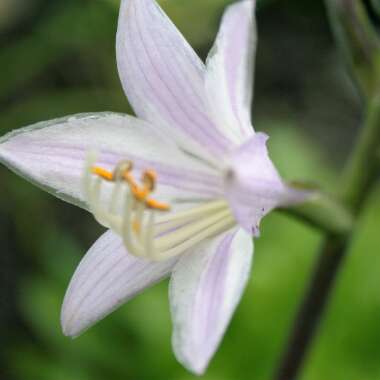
132 213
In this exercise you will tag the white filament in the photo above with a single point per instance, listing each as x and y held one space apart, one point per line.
142 235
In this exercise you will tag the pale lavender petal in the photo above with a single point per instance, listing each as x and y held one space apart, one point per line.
51 154
205 289
230 66
106 278
253 186
164 78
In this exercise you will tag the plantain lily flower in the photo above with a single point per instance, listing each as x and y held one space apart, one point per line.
182 188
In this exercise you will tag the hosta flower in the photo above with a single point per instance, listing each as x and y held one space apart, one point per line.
182 188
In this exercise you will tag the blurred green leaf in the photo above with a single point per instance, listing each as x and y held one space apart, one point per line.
347 347
52 40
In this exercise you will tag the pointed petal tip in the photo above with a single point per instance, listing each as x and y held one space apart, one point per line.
249 3
72 324
196 366
106 278
218 270
240 5
230 71
193 360
73 331
69 332
163 78
3 152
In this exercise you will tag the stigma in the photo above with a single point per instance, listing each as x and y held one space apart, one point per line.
149 228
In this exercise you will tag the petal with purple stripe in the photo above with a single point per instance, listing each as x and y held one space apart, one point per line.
229 71
106 278
205 289
51 154
163 77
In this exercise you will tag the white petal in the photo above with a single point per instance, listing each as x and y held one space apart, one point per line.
51 154
106 278
229 75
164 78
205 289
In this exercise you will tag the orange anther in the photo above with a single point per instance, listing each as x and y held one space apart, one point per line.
128 177
149 179
102 173
122 170
140 194
155 205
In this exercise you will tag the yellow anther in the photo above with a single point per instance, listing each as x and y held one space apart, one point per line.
149 179
105 174
123 170
140 194
128 177
155 205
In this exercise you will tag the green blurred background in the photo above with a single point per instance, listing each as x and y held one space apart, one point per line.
56 58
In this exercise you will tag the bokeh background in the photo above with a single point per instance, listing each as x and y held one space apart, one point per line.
57 57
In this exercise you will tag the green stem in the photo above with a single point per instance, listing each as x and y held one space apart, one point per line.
358 41
323 213
376 6
359 177
360 44
315 300
362 168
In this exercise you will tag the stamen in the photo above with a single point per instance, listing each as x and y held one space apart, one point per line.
149 179
142 235
140 194
138 221
148 238
149 183
115 197
155 205
166 242
128 236
122 170
214 229
195 212
99 214
102 173
136 227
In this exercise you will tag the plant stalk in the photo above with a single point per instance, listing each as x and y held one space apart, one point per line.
360 175
323 213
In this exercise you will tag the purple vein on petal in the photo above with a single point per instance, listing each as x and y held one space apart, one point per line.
195 98
198 102
168 175
102 287
203 134
214 288
98 281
